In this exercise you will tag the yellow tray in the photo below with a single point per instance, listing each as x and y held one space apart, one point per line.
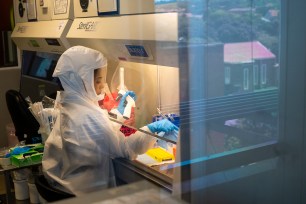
160 154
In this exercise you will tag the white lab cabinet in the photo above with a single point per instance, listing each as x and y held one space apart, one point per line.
42 36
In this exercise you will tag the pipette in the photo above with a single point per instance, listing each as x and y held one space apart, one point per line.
165 116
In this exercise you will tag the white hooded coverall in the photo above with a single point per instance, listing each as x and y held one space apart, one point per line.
78 151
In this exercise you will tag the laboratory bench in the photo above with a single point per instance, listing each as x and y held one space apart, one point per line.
6 171
134 178
143 168
136 181
129 171
153 168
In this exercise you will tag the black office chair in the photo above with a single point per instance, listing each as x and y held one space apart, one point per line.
23 120
49 193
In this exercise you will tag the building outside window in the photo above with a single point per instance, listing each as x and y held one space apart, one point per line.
245 79
263 72
227 75
255 74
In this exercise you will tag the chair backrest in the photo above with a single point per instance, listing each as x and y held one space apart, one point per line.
23 120
49 193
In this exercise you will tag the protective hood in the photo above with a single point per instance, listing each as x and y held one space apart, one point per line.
75 69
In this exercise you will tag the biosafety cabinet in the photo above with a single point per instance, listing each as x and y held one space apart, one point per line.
40 33
144 45
130 42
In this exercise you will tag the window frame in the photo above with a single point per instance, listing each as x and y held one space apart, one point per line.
255 74
263 71
227 75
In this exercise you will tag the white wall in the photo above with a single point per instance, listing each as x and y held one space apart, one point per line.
9 79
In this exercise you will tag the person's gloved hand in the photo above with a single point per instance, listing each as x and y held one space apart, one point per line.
162 126
170 136
122 102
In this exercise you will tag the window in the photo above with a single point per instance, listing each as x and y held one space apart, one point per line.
263 74
227 75
254 121
255 74
245 79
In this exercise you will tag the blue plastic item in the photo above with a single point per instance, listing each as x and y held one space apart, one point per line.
20 150
172 117
122 102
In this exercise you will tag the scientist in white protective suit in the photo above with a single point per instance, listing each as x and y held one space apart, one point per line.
78 151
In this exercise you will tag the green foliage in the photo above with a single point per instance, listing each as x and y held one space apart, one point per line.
229 21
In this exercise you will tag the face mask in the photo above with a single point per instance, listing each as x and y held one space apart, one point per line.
101 96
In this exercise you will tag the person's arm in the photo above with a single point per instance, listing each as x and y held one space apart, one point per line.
139 142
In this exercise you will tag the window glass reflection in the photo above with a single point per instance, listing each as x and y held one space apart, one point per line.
240 39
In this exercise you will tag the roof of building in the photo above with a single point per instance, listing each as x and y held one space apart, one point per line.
245 52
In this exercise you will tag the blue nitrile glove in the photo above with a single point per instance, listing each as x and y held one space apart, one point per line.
173 135
122 104
163 125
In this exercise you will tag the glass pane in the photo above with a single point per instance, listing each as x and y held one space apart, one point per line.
233 86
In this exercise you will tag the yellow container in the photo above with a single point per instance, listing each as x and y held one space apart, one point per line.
160 154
